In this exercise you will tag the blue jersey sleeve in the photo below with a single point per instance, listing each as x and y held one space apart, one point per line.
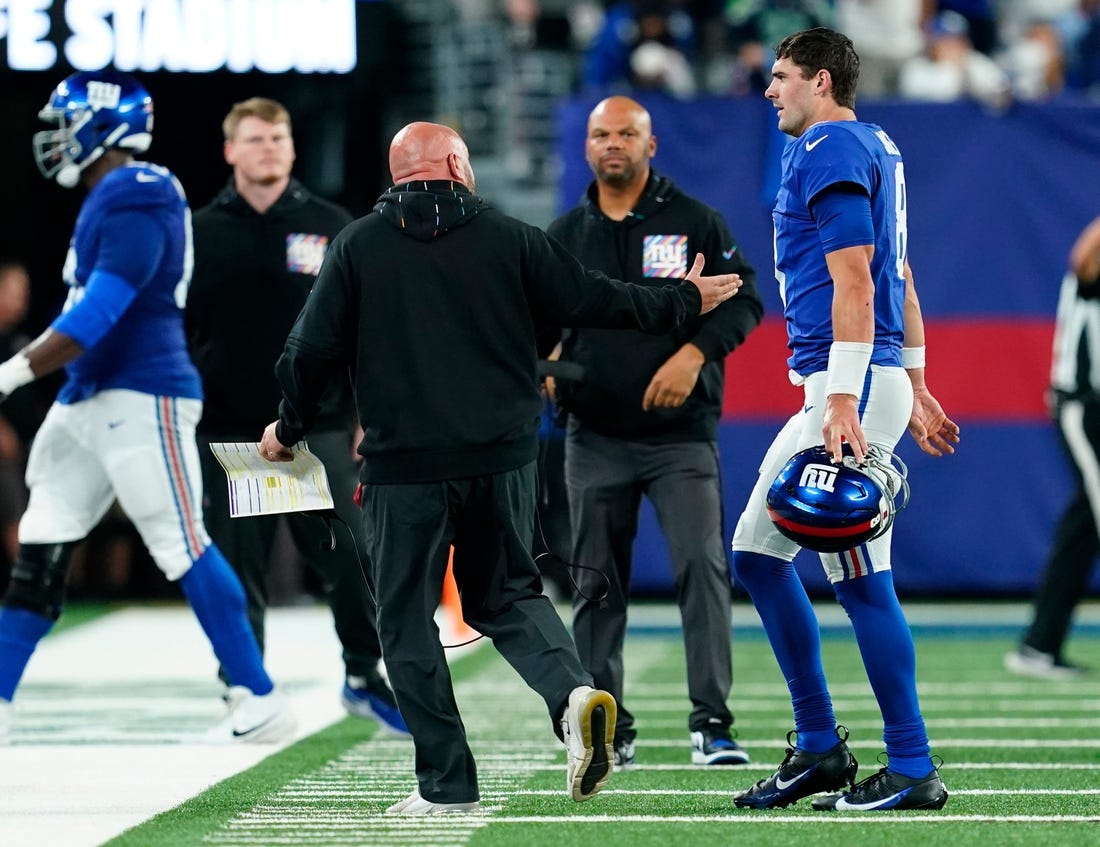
843 217
106 297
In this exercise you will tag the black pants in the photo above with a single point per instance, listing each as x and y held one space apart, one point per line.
247 543
489 520
1073 552
553 535
606 479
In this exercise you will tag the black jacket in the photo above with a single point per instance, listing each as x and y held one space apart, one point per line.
661 235
252 274
435 299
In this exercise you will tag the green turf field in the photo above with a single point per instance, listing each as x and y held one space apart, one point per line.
1021 760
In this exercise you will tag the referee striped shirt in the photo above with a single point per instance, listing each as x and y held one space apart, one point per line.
1075 367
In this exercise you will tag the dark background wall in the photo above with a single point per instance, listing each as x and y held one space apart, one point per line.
341 126
339 129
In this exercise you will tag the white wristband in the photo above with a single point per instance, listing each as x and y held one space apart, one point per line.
848 362
15 372
912 357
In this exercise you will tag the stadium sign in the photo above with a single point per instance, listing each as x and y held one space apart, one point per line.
196 36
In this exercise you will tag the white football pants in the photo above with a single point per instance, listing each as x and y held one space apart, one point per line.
886 405
138 448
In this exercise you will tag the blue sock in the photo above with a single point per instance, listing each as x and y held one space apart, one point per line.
791 626
20 632
217 597
886 645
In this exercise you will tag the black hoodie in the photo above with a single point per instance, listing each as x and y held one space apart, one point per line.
618 366
435 299
252 274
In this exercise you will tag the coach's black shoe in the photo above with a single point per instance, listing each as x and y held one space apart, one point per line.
886 791
801 774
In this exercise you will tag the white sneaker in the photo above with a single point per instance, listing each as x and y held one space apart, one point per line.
233 695
414 804
588 728
253 719
6 710
1027 661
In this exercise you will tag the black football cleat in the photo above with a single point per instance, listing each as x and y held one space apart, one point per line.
886 791
801 774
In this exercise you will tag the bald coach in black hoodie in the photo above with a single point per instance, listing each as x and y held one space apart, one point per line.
434 300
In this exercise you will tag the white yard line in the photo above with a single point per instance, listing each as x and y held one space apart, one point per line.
717 792
767 819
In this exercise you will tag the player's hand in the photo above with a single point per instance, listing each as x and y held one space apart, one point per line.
712 289
934 432
272 449
840 424
675 379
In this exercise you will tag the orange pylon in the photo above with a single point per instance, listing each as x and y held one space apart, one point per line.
457 628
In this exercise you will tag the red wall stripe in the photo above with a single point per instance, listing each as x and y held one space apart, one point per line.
980 369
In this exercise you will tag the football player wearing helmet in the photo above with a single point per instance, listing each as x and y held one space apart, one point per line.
857 342
94 113
123 424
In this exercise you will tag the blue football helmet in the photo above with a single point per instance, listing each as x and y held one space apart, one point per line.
94 111
831 508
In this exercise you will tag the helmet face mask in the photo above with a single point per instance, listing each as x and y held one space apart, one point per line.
832 508
92 112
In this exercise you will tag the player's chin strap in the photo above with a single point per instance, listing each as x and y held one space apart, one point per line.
330 518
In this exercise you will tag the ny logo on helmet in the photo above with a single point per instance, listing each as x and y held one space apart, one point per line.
103 95
821 477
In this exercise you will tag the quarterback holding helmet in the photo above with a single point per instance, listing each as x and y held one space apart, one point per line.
857 341
123 424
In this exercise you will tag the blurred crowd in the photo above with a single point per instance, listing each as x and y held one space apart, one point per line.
993 51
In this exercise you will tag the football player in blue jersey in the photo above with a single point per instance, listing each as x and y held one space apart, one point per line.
857 342
123 424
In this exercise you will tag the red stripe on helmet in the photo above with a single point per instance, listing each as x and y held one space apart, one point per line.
819 531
